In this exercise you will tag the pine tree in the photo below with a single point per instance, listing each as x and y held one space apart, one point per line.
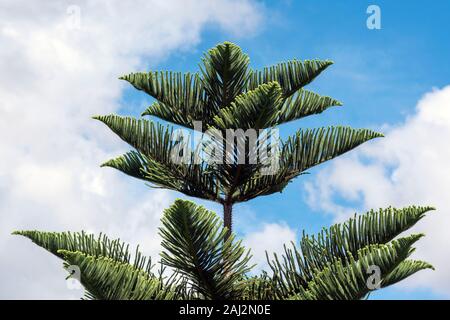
227 98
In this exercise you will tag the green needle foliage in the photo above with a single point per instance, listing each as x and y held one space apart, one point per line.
226 94
330 265
201 258
194 245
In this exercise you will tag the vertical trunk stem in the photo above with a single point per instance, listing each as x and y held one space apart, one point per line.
227 218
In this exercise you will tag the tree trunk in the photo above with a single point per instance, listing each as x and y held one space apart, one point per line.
227 218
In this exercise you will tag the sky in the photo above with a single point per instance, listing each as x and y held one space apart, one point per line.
60 62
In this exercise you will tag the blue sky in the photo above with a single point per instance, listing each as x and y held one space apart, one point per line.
379 75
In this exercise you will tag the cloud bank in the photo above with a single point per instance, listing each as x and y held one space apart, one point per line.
60 65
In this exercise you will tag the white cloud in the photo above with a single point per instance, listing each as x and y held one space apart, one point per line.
261 237
409 166
269 237
54 77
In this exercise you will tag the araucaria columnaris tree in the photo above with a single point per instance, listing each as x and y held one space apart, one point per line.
235 111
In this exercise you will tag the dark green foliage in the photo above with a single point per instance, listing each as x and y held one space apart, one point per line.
341 244
292 75
89 244
108 279
331 265
227 94
348 280
193 239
